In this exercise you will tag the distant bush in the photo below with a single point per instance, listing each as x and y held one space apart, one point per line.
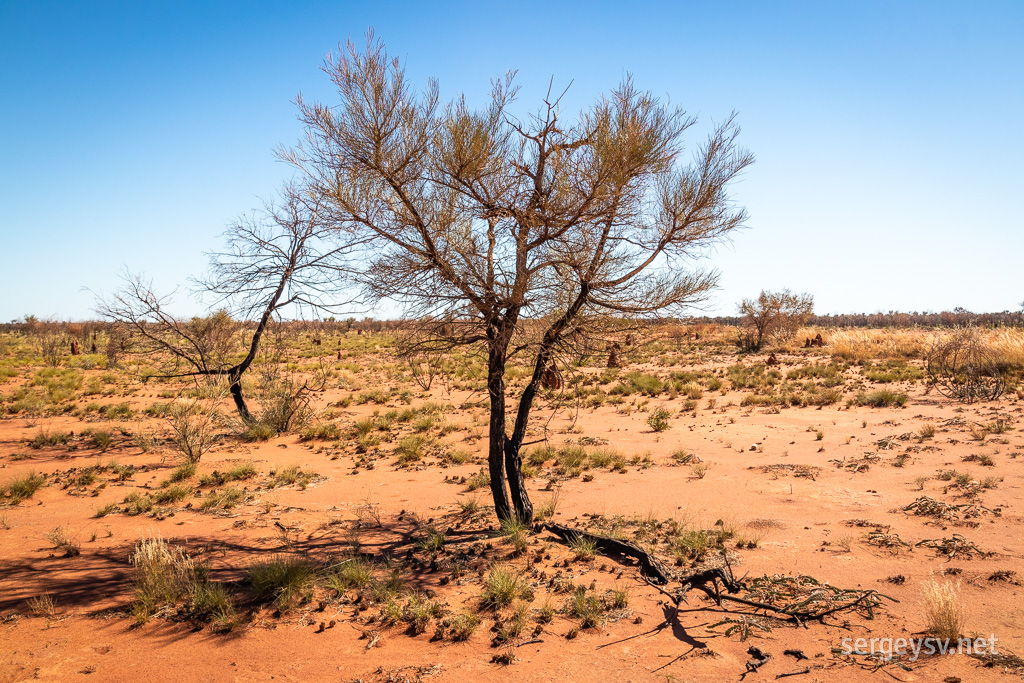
658 419
773 315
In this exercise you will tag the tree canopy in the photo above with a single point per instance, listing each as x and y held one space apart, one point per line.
479 221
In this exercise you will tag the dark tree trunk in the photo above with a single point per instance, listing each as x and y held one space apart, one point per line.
517 483
236 394
513 444
496 433
235 373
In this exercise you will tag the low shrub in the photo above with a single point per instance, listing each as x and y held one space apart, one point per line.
658 419
502 586
21 488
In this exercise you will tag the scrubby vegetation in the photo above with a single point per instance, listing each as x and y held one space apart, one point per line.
166 452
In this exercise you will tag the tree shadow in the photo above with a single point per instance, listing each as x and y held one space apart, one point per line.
670 614
93 581
101 581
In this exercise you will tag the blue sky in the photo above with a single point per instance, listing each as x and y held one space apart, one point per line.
888 135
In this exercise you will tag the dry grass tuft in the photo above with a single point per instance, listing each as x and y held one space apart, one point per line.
943 608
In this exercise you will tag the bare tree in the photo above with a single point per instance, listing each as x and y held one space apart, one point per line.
484 222
774 314
276 258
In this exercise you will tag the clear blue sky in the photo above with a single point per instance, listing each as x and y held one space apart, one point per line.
889 135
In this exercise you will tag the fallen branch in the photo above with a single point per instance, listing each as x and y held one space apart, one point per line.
805 595
650 567
758 658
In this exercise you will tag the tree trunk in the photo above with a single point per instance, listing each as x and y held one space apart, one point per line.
496 432
517 483
513 459
236 393
235 373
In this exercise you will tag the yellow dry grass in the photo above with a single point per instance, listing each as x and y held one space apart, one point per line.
860 345
1009 343
943 608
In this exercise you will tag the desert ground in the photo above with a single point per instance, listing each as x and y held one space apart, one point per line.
360 544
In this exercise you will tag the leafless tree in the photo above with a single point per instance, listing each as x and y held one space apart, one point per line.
52 340
484 222
276 258
774 314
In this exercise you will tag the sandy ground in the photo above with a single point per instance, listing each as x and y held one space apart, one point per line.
803 524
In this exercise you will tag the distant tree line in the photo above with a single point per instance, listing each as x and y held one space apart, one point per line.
88 330
955 318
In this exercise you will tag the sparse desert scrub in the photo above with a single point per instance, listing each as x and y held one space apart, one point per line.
323 431
239 472
172 494
478 481
351 572
515 533
101 439
458 627
259 431
455 565
145 441
166 576
410 449
289 476
884 372
879 398
547 508
684 457
186 470
587 607
583 548
136 503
